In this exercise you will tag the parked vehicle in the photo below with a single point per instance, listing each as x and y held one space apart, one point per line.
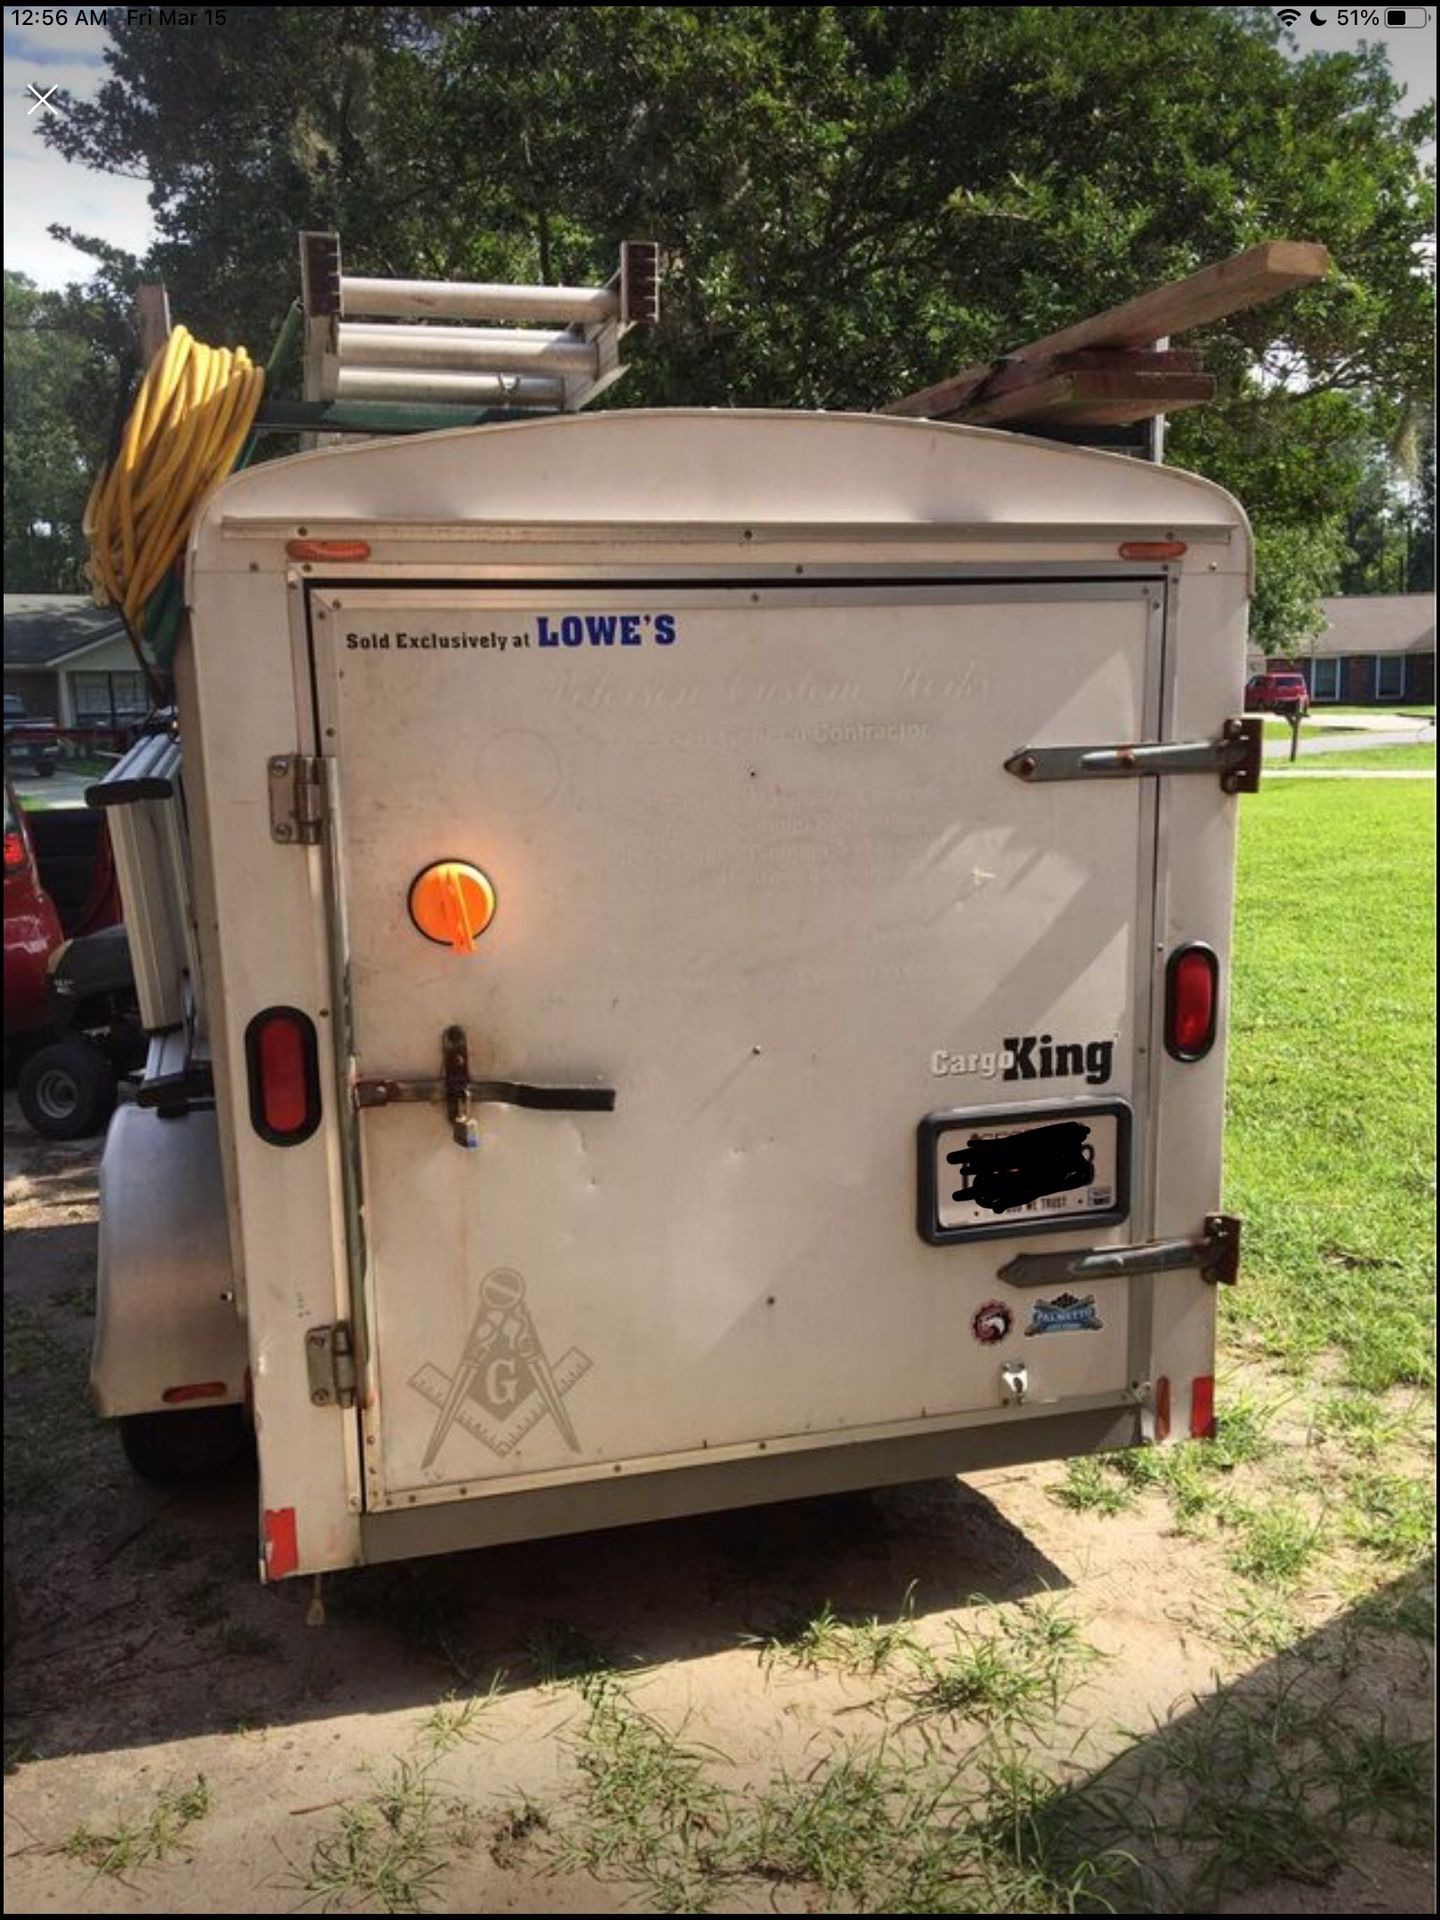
633 883
68 1088
1283 693
71 1017
31 745
32 930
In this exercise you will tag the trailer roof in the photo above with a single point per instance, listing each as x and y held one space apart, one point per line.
702 469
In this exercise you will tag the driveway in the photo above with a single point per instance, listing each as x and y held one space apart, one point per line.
1349 732
61 789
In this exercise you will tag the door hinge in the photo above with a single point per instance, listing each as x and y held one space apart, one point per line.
1235 756
297 799
1216 1252
330 1365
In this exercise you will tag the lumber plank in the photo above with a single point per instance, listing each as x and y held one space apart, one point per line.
1121 413
1245 280
945 397
1229 286
1122 360
1092 397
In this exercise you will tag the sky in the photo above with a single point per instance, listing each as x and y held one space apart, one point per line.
41 188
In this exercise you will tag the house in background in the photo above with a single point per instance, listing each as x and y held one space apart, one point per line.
1376 650
70 661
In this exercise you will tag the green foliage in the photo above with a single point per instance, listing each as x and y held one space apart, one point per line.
55 373
387 1850
1376 533
1295 566
147 1842
1420 530
853 201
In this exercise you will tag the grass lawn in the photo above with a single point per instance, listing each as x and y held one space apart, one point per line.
1331 1106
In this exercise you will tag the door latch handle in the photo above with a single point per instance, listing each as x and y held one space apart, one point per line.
1216 1252
457 1092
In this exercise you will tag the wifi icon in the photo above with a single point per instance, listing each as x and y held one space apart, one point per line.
1287 16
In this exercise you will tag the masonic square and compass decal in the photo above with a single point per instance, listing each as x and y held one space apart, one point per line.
503 1385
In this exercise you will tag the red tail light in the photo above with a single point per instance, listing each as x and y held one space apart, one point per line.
282 1056
1192 1002
14 852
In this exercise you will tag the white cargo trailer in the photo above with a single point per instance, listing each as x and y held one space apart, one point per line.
708 935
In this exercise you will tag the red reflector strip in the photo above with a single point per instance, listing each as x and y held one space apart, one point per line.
328 549
1192 1002
282 1056
14 853
1202 1407
1162 1409
202 1390
1153 549
282 1549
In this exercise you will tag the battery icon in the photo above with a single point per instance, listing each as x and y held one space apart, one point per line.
1407 16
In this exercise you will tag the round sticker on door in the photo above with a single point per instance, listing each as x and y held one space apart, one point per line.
992 1322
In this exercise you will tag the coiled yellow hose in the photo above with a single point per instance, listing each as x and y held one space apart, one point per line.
195 407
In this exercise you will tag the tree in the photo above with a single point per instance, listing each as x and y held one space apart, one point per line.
1420 527
55 373
853 201
1376 533
1295 567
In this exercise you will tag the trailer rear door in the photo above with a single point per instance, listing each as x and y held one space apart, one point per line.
758 868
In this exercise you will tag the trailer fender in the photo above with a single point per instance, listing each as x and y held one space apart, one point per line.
167 1335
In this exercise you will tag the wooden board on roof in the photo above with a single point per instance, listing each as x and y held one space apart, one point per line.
1246 280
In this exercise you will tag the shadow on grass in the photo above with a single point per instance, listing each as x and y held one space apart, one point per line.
1269 1782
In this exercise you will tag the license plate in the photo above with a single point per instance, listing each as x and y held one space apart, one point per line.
1023 1170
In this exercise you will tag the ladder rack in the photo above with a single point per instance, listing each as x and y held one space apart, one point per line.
420 358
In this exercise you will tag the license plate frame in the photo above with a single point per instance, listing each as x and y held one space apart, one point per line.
1106 1136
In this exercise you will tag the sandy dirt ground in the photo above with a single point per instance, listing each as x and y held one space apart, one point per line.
148 1656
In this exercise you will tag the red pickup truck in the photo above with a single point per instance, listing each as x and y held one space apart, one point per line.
31 745
1284 693
32 929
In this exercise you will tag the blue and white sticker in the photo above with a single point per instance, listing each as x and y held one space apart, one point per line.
1066 1313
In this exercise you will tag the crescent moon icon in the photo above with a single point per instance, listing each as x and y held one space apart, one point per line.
1317 19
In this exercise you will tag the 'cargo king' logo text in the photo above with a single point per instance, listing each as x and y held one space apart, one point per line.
1033 1056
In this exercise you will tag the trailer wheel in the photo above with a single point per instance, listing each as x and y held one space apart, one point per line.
179 1449
67 1090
